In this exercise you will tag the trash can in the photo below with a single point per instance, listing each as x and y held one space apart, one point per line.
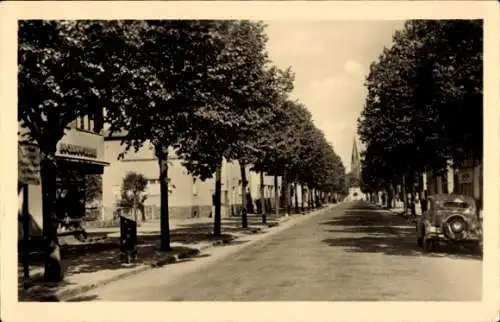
128 238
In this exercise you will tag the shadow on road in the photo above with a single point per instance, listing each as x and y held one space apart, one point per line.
372 232
396 246
361 207
83 298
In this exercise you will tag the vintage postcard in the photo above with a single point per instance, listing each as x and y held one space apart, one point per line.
250 161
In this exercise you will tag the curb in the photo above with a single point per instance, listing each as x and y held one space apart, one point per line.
67 295
71 293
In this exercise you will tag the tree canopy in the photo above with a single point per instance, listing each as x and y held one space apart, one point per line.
424 102
205 88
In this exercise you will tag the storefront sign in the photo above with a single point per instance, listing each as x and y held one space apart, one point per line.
76 150
28 156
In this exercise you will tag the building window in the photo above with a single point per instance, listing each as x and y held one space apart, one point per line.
195 187
91 123
153 181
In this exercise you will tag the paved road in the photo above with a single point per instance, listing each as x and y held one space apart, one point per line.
352 252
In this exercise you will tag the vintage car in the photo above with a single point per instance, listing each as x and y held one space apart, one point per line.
449 218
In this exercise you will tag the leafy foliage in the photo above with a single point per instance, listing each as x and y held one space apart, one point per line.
137 184
424 103
205 89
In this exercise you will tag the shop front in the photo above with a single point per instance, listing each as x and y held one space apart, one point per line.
80 164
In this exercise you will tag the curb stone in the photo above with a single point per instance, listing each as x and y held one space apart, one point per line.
71 293
66 295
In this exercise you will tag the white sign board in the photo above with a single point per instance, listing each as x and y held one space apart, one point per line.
28 156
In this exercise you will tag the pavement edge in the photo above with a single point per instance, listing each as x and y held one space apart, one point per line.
71 293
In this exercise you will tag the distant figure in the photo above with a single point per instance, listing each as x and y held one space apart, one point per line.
383 199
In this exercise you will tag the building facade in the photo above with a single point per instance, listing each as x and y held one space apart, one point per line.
467 180
188 196
79 167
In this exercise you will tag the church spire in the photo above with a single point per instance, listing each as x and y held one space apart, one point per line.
355 160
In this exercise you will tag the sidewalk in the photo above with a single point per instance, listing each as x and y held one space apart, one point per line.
88 265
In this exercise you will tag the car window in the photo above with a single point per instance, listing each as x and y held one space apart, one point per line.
455 205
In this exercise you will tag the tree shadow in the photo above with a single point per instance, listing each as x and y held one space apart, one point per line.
394 242
388 235
362 205
235 242
366 218
356 220
95 235
83 298
80 262
187 237
147 253
378 230
39 290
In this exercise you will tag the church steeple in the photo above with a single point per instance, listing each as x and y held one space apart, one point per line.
355 160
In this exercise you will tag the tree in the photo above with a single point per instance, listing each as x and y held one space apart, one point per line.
424 103
136 183
295 149
237 109
176 58
275 85
279 144
57 82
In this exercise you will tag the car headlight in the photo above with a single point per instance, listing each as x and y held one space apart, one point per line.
467 211
457 226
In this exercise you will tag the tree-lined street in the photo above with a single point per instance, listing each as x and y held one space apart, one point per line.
423 114
206 93
354 251
204 88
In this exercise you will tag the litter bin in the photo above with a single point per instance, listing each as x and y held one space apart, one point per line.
128 238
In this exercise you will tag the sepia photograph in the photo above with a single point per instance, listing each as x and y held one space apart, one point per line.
244 159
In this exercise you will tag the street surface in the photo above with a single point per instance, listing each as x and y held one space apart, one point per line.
353 252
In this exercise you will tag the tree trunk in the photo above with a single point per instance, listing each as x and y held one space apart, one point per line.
389 197
405 196
296 197
262 198
143 212
52 251
439 184
244 183
302 197
162 155
286 193
218 188
276 197
412 195
311 198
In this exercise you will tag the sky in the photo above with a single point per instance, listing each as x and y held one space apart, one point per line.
330 60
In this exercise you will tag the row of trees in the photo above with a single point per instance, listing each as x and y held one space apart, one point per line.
205 89
425 104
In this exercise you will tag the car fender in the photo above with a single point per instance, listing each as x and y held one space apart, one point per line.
426 225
